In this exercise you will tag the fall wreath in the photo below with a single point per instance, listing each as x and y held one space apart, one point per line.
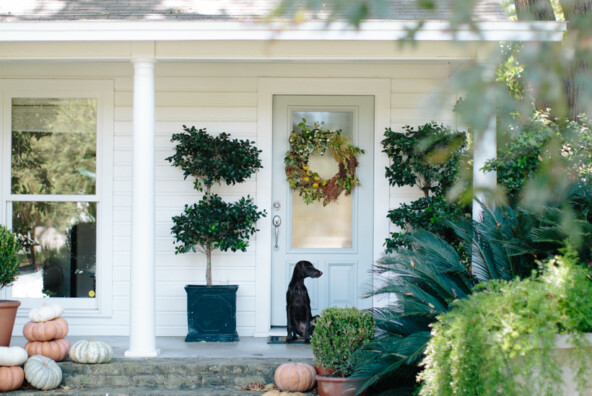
310 140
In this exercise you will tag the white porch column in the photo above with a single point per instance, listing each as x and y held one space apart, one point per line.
484 149
142 340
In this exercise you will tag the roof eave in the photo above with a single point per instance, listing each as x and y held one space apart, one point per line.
374 30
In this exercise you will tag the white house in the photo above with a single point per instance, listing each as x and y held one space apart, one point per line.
91 93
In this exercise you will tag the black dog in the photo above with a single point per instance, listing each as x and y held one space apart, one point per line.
298 302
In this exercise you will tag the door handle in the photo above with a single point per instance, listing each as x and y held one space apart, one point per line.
277 221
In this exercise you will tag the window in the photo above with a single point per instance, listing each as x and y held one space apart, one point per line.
56 178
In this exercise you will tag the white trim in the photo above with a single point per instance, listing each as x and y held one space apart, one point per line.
53 197
218 31
103 92
267 87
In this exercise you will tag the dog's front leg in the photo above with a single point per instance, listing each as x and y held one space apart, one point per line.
291 335
308 330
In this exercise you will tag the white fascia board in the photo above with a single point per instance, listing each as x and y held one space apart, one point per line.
214 31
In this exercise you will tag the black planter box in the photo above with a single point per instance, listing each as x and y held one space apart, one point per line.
211 313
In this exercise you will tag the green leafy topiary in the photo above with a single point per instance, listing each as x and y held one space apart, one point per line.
9 261
214 159
493 340
428 158
338 335
212 223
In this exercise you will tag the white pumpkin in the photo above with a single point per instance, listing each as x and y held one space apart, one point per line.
45 312
13 356
91 351
43 373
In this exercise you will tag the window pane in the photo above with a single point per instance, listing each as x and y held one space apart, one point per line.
59 255
316 226
54 146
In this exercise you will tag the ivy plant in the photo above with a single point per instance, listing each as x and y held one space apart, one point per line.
501 339
213 223
428 158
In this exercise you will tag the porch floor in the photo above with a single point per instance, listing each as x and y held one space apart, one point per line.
176 347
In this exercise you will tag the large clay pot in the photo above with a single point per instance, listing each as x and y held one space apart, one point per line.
8 310
339 386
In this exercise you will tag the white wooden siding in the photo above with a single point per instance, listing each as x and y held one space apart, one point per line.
219 97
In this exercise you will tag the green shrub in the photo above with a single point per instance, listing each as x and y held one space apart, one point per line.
427 158
338 335
9 261
507 330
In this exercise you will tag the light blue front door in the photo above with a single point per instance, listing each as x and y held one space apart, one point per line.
337 238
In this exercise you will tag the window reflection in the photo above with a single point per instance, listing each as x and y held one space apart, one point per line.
54 146
59 249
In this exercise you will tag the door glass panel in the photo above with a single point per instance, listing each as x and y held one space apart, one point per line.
316 226
54 146
58 258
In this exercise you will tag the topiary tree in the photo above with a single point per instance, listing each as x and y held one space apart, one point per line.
9 261
212 223
428 158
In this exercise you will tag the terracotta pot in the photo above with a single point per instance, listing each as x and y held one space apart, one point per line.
324 371
339 386
8 310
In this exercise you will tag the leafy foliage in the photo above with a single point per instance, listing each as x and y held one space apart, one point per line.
215 224
9 260
428 158
505 333
422 281
212 223
214 159
535 144
339 333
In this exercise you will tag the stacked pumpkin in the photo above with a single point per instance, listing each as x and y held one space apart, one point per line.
46 332
12 374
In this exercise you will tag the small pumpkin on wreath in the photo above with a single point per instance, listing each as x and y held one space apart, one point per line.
311 140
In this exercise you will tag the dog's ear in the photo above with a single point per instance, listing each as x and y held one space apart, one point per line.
299 267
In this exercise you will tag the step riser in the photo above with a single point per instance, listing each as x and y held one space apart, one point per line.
187 374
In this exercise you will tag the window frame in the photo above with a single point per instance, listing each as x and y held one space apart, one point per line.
103 92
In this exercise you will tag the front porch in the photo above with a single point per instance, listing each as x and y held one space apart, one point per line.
176 347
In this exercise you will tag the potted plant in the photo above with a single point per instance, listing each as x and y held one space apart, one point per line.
9 265
336 342
213 223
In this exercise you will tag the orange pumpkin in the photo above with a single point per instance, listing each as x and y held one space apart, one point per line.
11 378
46 331
56 350
295 377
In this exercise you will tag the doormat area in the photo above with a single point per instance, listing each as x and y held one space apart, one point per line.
282 340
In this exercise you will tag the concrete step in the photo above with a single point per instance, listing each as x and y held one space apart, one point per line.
135 391
164 376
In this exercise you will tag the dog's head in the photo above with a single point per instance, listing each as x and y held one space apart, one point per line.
305 269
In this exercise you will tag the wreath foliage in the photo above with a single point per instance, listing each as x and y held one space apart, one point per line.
307 140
